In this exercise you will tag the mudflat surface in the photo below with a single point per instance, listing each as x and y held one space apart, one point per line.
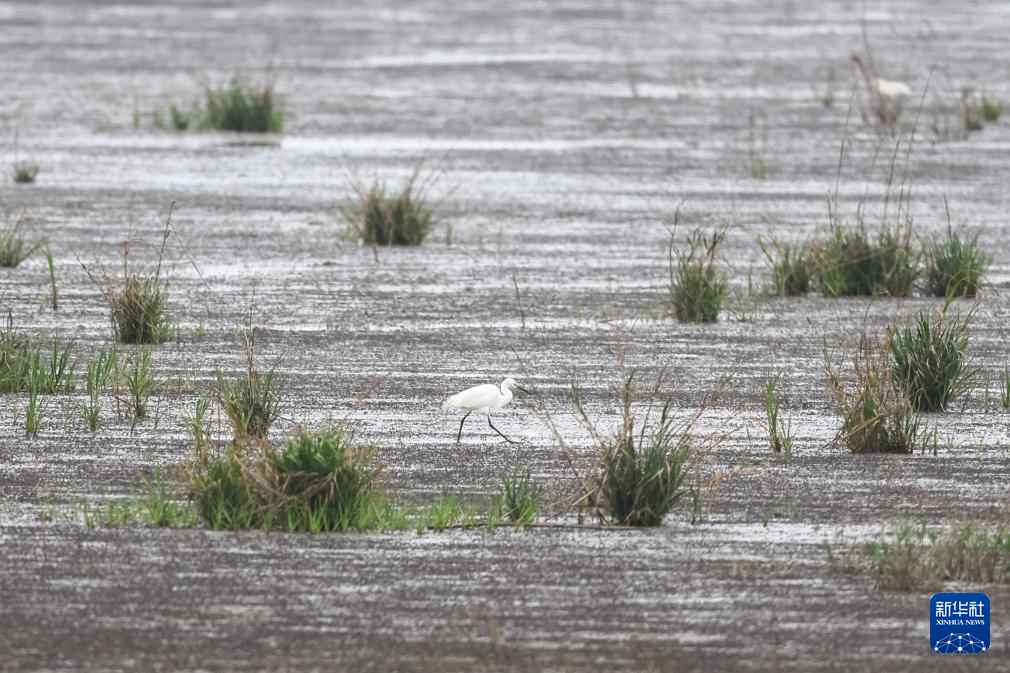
562 136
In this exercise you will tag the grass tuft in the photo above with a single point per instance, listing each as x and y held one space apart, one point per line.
955 266
992 108
791 267
14 357
138 305
158 505
140 310
35 412
643 476
199 433
253 403
929 364
850 263
324 481
876 417
641 471
392 219
697 286
779 431
224 496
638 471
319 482
977 109
13 248
242 106
920 558
446 512
178 118
100 372
140 383
24 172
55 368
24 365
520 498
1004 388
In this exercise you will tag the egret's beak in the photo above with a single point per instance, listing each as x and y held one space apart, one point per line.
519 387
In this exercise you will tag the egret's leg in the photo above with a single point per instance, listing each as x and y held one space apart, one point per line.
499 431
459 435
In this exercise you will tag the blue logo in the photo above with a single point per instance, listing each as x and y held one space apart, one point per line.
959 623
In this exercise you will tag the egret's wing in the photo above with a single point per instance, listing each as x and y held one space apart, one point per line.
478 397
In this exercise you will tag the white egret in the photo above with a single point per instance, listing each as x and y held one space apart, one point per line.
891 89
484 398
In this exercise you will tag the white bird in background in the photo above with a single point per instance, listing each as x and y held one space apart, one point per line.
484 398
892 89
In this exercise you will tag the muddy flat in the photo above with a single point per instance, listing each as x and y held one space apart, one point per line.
560 137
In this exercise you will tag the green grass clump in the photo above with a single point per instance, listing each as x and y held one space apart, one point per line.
24 365
35 411
697 286
791 267
955 266
199 433
920 558
159 505
1004 388
42 375
325 479
244 107
640 470
55 368
13 248
225 496
876 417
849 263
140 383
928 360
383 513
139 310
111 514
178 118
319 482
644 476
779 431
51 266
992 108
252 403
448 511
15 357
392 219
99 374
641 474
138 304
520 498
977 109
24 172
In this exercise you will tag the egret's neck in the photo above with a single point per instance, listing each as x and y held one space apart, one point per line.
506 393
